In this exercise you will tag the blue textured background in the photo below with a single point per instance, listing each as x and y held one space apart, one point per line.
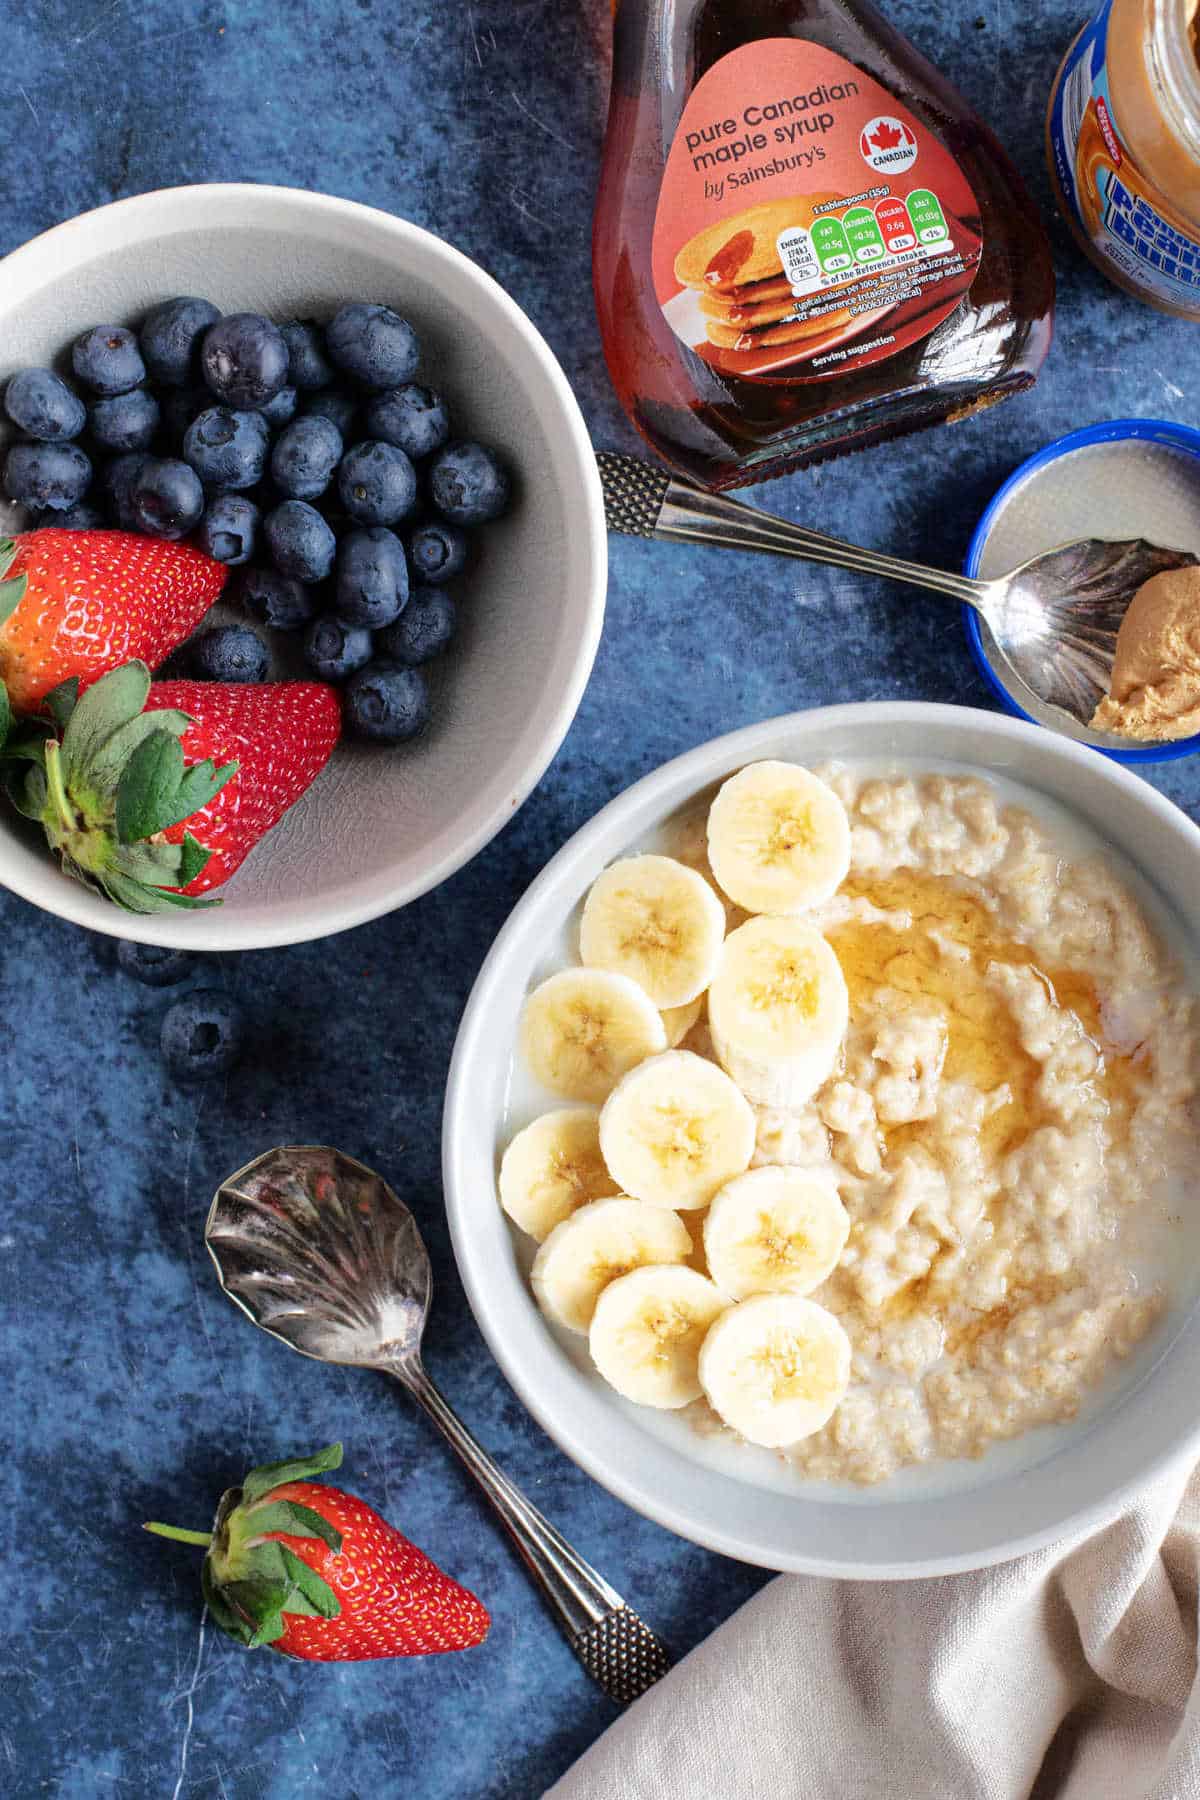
134 1389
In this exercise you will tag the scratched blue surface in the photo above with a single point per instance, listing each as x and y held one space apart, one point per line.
133 1389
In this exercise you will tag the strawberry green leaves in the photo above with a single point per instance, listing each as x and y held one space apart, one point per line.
272 1475
12 591
297 1520
155 790
250 1579
109 786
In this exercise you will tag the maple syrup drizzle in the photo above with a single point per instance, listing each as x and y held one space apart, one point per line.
983 1040
983 1047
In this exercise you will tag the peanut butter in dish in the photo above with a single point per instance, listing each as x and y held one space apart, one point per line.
1155 686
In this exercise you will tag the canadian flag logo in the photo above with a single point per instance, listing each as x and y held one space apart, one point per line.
888 144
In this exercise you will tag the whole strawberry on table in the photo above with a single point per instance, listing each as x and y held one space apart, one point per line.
316 1573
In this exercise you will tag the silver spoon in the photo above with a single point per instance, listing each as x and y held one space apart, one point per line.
317 1250
1054 620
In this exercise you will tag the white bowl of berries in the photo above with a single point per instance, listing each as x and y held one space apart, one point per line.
319 465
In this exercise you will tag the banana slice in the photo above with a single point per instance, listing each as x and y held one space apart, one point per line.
675 1130
660 923
647 1330
775 1367
552 1168
678 1020
582 1029
598 1244
777 1010
778 838
775 1230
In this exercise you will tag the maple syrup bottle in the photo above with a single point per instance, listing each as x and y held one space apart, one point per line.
805 241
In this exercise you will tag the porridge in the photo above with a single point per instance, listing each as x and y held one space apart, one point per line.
1006 1116
1009 1122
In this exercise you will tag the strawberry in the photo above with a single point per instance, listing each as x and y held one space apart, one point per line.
74 604
317 1574
128 789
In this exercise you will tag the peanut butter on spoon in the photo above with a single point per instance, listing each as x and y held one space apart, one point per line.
1155 687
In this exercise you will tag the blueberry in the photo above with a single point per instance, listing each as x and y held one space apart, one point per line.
372 578
166 500
373 344
117 481
305 455
82 517
171 337
423 629
308 365
438 552
227 449
413 418
469 484
179 406
244 360
300 541
125 421
43 406
154 965
336 405
202 1035
386 704
377 484
334 650
277 600
53 475
229 528
107 359
279 410
229 653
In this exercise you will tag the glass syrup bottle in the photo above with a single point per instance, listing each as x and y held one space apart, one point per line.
805 241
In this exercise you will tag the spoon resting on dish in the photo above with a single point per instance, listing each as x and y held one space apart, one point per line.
1056 620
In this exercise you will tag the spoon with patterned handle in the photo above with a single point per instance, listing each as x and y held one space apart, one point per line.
1054 619
317 1250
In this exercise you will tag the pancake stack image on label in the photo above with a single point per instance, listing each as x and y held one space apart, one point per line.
735 267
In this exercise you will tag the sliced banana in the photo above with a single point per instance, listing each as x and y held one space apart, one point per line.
552 1168
582 1029
598 1244
775 1230
647 1330
675 1130
678 1020
778 838
775 1367
660 923
777 1010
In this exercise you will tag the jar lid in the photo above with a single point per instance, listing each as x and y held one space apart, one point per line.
1128 478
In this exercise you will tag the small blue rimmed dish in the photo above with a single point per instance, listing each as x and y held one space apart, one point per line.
1124 479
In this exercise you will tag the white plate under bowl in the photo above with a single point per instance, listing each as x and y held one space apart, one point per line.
380 826
726 1496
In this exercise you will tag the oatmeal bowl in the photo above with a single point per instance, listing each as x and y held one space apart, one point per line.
817 1144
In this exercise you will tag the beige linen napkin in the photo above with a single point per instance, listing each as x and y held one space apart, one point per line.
1070 1674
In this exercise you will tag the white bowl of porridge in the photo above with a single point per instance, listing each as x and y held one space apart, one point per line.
1002 1120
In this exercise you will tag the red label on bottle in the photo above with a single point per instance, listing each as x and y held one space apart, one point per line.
807 223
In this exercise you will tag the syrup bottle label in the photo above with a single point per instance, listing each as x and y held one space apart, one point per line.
807 223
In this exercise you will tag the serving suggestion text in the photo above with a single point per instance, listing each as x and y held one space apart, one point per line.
729 140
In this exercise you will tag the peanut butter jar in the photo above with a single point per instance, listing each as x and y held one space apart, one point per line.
1123 139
